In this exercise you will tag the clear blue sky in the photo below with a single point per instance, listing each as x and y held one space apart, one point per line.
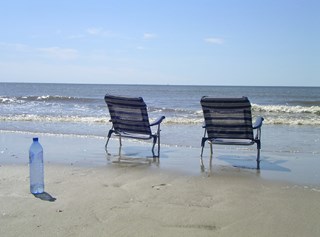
192 42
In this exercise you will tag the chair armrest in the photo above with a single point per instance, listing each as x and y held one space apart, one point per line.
258 122
158 121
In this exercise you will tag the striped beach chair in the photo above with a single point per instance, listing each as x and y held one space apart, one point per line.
130 119
228 121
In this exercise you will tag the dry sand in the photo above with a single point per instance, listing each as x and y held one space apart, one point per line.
141 199
126 200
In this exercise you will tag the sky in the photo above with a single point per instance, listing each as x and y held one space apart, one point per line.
176 42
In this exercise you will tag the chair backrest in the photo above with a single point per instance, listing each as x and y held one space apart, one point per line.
227 118
128 114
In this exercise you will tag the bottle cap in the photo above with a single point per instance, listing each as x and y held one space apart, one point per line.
35 139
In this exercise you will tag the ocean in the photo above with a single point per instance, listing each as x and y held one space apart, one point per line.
291 125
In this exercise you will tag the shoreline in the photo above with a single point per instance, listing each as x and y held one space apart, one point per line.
88 151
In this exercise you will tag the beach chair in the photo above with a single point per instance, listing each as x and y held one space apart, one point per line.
228 121
130 119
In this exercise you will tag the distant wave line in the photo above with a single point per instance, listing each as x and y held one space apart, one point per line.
54 119
44 98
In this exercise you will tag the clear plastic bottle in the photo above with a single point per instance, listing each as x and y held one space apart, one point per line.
36 167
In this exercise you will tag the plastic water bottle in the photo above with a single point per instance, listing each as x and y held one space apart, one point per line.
36 167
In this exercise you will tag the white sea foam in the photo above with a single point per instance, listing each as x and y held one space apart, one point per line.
286 109
177 120
271 120
7 100
286 121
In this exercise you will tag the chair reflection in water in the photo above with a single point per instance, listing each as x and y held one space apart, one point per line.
129 117
228 121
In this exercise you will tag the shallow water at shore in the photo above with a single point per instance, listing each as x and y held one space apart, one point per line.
298 168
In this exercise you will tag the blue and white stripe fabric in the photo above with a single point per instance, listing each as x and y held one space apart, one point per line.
227 118
128 114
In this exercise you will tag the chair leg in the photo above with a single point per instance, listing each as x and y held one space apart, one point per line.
158 138
159 145
211 149
210 162
258 154
201 154
201 158
258 159
203 143
201 151
202 164
106 145
153 145
120 141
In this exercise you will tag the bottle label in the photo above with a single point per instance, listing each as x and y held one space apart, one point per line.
33 158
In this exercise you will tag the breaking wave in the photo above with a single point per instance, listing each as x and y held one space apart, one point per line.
286 109
272 120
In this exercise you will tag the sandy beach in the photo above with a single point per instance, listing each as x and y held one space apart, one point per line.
96 197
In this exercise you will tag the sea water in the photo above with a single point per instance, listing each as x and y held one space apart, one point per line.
291 125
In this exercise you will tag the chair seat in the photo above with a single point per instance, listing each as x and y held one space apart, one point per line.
221 141
134 135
